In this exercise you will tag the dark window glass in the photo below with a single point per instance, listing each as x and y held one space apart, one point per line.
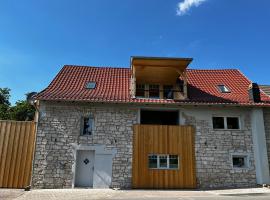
218 122
232 122
87 126
223 89
238 161
152 161
159 117
180 85
173 161
163 161
168 91
154 91
140 90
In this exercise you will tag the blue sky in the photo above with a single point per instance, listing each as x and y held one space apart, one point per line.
37 37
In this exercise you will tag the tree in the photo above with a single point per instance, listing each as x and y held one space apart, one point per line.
4 103
4 96
22 111
4 112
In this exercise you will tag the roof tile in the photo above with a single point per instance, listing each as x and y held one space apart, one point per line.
112 85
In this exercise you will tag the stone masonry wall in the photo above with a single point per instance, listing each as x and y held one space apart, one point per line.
213 150
266 113
59 128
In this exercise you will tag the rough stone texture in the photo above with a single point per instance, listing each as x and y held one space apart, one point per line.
266 113
213 150
59 127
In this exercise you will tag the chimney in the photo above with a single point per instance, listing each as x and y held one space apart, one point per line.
254 93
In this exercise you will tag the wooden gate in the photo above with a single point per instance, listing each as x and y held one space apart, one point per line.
16 153
160 139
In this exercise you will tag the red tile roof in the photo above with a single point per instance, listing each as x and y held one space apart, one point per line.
112 85
265 89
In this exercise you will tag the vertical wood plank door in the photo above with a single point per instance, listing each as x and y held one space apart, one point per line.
17 141
163 140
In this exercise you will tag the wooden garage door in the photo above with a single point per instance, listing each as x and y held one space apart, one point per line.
160 139
17 140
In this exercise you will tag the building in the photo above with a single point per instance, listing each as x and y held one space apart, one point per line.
156 124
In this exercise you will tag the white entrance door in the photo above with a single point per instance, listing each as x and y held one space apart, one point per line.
84 168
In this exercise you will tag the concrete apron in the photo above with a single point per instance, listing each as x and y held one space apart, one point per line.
135 194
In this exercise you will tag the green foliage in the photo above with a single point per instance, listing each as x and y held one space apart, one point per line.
4 103
4 112
4 96
22 111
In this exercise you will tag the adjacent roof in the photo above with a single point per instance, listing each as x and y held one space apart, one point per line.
265 89
112 85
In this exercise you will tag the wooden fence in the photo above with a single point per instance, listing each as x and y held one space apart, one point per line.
160 139
17 141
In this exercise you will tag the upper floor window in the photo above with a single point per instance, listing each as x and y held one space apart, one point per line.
232 123
87 128
223 89
226 122
168 91
153 91
140 90
180 84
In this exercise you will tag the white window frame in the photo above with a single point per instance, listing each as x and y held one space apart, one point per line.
168 161
246 160
226 89
225 122
92 125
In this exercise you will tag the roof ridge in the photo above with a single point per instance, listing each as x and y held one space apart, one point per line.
227 69
98 67
121 67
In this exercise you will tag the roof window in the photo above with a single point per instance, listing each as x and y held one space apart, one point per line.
91 85
223 89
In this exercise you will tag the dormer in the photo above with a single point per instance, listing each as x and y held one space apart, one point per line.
160 78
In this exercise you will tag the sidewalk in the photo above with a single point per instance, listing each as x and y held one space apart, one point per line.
90 194
240 191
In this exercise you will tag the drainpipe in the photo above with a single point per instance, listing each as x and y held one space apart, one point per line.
35 103
259 146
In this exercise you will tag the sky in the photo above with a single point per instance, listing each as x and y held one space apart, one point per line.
38 37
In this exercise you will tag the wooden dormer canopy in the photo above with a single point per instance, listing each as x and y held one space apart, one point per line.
158 69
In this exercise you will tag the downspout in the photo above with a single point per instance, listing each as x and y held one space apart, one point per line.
36 105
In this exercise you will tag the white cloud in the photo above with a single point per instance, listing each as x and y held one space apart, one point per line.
184 6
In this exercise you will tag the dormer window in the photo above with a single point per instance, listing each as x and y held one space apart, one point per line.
223 89
140 88
180 84
168 91
91 85
155 72
153 91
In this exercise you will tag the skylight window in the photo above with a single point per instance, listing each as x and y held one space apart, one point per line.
91 85
223 89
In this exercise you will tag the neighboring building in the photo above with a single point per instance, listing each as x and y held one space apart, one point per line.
156 124
265 89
